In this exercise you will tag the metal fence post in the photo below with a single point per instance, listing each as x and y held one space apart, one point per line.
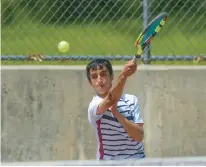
146 8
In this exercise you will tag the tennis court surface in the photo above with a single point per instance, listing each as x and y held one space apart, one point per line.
184 161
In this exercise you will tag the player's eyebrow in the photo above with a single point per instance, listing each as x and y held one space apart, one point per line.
104 71
93 74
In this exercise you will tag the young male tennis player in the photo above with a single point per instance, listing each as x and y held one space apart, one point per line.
115 116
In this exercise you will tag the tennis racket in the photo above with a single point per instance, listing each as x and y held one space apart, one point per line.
152 29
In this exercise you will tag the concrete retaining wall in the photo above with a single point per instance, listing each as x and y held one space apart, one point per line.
44 113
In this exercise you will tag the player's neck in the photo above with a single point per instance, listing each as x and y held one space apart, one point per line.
102 95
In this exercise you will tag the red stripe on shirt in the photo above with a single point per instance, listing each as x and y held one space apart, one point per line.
101 151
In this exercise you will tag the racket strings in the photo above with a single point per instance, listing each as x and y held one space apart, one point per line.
150 32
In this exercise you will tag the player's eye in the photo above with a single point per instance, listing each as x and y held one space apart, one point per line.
94 76
104 74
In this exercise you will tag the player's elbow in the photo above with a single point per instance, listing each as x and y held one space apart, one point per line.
139 138
111 98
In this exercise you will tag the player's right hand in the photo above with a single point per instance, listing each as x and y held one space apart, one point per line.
129 68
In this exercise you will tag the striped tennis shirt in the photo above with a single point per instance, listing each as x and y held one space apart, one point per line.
112 139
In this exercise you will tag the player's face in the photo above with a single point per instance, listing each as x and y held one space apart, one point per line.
101 80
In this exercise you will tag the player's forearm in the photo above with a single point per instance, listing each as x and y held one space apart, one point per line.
134 131
116 91
113 96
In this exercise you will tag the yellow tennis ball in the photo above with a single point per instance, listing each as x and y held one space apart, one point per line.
63 46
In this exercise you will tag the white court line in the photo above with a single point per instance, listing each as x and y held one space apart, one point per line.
115 67
172 161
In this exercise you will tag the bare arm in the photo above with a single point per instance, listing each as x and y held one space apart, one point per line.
115 92
135 131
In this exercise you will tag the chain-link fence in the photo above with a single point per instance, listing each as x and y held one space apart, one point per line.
101 28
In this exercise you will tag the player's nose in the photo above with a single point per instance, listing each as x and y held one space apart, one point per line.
99 79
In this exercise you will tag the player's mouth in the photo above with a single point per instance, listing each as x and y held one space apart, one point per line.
100 86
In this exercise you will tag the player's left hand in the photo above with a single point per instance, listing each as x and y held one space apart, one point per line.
129 68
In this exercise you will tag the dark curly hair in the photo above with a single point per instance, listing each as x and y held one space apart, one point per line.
99 63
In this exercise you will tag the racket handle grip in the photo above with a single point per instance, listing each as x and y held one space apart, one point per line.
139 53
135 58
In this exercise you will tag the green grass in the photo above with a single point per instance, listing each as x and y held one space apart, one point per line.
93 40
113 38
116 37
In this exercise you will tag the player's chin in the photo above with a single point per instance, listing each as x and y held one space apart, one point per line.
101 91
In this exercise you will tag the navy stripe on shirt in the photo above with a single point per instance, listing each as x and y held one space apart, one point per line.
114 119
130 118
123 105
124 100
138 153
123 111
113 130
132 145
109 134
126 149
109 118
104 123
125 139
